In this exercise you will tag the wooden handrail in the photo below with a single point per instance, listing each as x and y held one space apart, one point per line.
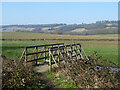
45 45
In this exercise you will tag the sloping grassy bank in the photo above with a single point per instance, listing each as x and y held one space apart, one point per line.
85 74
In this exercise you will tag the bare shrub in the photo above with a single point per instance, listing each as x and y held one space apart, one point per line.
16 74
86 74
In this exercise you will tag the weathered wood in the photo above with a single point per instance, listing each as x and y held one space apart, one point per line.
36 48
45 45
45 54
75 56
69 56
44 57
55 48
22 54
71 51
62 47
50 64
85 53
25 55
38 59
76 52
61 53
53 58
37 52
58 55
80 52
41 53
55 53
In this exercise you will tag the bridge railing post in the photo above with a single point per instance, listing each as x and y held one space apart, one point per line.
36 49
25 55
50 62
81 52
58 55
45 54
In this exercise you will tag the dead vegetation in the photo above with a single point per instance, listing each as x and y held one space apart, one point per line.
16 74
86 74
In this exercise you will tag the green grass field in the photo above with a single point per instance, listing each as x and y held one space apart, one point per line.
107 49
26 35
14 49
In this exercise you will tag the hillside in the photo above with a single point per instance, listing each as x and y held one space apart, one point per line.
100 27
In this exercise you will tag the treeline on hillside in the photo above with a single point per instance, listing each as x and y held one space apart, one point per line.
90 32
100 27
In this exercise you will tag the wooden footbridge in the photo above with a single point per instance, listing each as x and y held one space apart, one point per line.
53 53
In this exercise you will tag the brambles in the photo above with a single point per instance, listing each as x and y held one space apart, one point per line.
17 75
86 74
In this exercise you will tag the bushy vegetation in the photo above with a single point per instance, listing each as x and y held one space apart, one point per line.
16 74
86 73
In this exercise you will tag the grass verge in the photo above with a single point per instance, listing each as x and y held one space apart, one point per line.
60 81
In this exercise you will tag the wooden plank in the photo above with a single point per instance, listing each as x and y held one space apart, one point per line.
36 48
62 54
37 52
58 55
71 51
45 54
25 54
64 46
37 59
50 65
75 55
76 51
53 59
54 49
45 45
80 52
85 53
42 52
22 54
52 55
67 52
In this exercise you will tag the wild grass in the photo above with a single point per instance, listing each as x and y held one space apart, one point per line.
26 35
107 49
60 81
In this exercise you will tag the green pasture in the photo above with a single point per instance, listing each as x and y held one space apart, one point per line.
107 49
26 35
